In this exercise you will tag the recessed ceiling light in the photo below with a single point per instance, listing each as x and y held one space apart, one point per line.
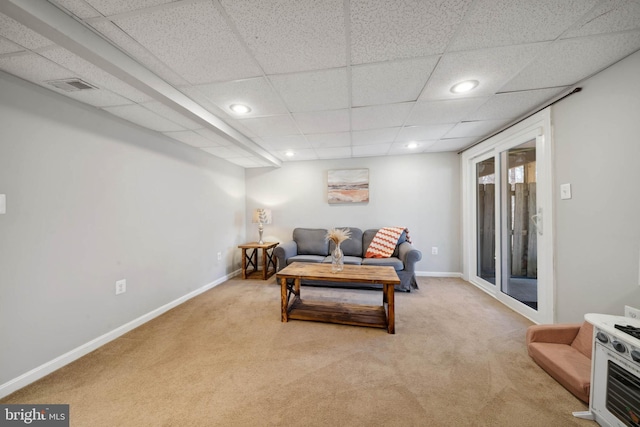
289 154
239 108
464 86
411 145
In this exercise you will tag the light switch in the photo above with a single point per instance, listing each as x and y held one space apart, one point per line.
565 191
3 204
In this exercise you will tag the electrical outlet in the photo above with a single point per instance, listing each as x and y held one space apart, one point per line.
219 256
434 250
121 287
634 313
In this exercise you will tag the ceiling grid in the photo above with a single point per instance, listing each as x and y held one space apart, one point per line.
323 80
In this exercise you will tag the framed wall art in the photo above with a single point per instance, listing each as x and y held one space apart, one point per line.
348 185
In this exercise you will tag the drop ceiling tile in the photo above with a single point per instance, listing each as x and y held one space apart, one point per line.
510 22
403 147
34 68
121 39
333 152
143 117
390 82
193 40
78 8
96 97
7 46
477 128
490 67
374 136
323 121
566 62
379 116
289 142
292 35
512 104
112 7
255 93
447 111
609 16
271 126
383 30
39 70
329 140
191 138
94 75
19 34
453 144
313 91
371 150
169 113
423 133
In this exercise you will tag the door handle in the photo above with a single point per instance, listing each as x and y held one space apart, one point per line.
537 221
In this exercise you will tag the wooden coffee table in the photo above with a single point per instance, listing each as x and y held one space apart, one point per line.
382 316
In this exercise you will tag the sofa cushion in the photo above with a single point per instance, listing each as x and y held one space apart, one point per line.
305 258
584 340
367 237
353 260
392 262
351 246
311 241
566 365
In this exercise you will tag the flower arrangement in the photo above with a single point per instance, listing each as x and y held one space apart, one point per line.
338 235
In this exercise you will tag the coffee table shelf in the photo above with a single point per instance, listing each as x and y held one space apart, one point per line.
336 312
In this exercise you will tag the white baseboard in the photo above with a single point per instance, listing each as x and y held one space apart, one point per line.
438 274
60 361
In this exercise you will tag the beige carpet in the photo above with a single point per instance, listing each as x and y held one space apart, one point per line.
224 359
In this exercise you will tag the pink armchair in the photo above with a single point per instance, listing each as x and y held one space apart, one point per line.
564 351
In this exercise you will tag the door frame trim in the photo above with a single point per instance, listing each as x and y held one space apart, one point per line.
537 126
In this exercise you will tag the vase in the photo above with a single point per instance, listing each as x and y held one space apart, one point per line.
337 259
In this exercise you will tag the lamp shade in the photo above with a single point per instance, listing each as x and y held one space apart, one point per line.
262 216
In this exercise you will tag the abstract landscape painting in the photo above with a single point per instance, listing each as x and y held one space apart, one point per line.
348 185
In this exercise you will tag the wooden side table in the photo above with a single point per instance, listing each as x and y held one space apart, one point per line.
250 259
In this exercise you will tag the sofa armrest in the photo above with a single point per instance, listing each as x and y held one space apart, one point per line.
559 334
409 256
284 251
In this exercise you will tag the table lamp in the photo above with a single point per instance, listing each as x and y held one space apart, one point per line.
261 216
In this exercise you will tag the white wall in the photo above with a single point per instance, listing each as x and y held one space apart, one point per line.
92 199
597 141
421 192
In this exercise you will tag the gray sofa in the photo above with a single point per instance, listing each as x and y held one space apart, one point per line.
310 245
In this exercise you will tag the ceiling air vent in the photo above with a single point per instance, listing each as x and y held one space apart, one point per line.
71 85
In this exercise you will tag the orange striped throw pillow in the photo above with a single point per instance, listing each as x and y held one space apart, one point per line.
384 242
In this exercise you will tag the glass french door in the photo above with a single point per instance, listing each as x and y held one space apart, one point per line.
518 224
510 255
485 172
